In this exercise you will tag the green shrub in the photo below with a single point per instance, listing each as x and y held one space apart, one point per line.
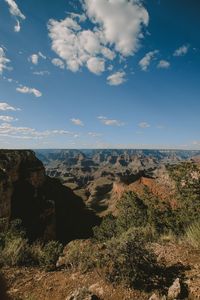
132 212
106 230
127 260
16 252
81 255
193 234
49 255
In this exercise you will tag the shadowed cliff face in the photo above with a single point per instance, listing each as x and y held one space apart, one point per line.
48 210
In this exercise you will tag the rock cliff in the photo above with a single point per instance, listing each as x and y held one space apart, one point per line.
48 209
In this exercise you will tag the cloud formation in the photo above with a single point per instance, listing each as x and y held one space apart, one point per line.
28 90
163 64
16 12
3 61
17 27
77 122
110 122
7 119
117 30
7 129
145 62
34 58
183 50
5 106
116 78
58 63
14 9
144 125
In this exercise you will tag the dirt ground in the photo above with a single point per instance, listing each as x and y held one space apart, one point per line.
35 284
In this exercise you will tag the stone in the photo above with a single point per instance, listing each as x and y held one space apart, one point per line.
174 290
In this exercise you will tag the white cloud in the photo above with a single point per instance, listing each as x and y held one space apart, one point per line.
14 9
58 63
144 125
5 106
96 65
116 78
119 21
181 51
77 122
7 119
3 61
146 60
42 55
17 27
28 90
41 73
34 58
94 134
117 28
163 64
7 129
110 122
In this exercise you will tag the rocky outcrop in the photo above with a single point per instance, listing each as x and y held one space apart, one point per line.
48 209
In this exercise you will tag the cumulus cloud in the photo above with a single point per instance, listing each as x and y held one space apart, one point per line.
28 90
119 21
3 61
110 122
34 58
14 9
7 129
163 64
144 63
5 106
17 27
181 51
16 12
77 122
7 119
144 125
116 78
58 63
96 65
117 30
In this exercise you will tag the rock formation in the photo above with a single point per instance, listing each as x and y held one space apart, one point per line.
47 209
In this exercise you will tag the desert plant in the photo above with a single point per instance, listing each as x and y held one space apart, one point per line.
127 260
193 234
106 230
80 255
132 212
49 254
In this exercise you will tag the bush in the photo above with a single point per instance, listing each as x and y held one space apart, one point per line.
49 254
132 212
106 230
193 234
14 247
127 260
16 252
79 254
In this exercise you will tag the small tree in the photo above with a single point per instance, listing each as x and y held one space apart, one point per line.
132 212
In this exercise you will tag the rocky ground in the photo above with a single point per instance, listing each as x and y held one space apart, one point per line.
182 266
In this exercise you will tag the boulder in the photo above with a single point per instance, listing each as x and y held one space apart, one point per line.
174 290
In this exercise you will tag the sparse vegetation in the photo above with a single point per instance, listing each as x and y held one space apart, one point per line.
193 234
15 249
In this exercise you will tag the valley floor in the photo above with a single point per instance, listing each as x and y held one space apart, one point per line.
34 284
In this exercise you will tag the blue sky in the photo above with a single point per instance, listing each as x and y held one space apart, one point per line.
99 74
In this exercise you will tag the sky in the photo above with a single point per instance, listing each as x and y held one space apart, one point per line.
100 74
